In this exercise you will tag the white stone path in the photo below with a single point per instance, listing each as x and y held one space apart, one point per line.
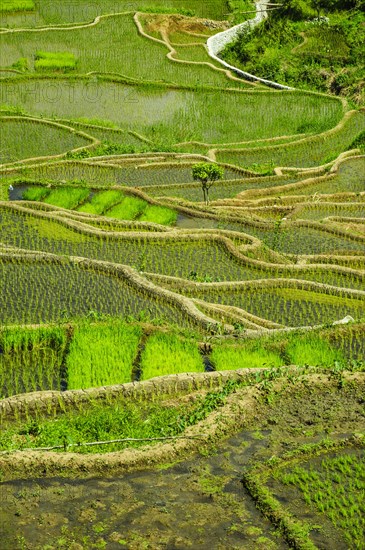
217 43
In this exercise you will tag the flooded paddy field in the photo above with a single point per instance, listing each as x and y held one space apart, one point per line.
200 501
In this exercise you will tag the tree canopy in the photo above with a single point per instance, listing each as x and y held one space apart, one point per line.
207 173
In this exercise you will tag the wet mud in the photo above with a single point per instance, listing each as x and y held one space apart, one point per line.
196 503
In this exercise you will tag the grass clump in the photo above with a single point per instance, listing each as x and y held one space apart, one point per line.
335 488
10 6
133 208
312 350
55 61
159 214
101 202
168 354
102 355
104 149
21 65
227 357
129 209
167 10
97 423
31 359
35 193
103 422
67 197
296 46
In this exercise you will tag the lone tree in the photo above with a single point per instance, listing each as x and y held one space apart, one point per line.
207 173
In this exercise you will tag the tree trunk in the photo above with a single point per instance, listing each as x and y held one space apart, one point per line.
205 193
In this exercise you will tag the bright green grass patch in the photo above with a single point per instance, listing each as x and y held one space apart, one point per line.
226 357
31 359
67 197
9 6
168 354
101 202
54 61
102 355
312 350
159 214
35 193
102 422
129 209
335 488
98 423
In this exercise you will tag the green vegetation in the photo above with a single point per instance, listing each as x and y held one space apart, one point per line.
10 6
104 422
58 291
35 193
276 351
55 61
99 423
253 272
100 202
241 10
301 47
311 350
167 115
254 355
207 174
67 197
129 209
21 65
102 355
102 351
133 208
335 488
31 360
159 214
22 139
168 354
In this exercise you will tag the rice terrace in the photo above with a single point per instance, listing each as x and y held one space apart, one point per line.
182 274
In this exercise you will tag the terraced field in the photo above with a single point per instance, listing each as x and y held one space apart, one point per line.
119 268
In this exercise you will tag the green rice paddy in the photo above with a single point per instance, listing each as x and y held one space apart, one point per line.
114 270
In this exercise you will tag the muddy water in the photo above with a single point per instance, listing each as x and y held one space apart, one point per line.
199 503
